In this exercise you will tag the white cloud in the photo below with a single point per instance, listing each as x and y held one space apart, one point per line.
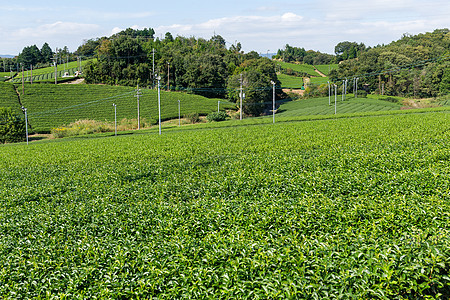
273 32
57 29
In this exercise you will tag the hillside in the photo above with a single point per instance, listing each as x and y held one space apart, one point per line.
343 208
415 66
48 74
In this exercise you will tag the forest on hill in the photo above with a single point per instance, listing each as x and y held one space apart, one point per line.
415 66
204 67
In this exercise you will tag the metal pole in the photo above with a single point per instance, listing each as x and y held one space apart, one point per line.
356 94
168 76
240 96
115 119
26 122
343 88
159 103
273 102
329 93
23 87
335 98
179 113
138 93
31 78
153 51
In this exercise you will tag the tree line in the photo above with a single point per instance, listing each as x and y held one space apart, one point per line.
414 66
197 65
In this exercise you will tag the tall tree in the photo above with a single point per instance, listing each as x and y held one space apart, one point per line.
46 53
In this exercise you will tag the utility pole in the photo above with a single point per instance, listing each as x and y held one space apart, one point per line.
382 88
31 78
115 119
343 89
138 94
159 103
345 97
329 93
335 98
273 101
55 63
168 76
153 74
218 106
356 94
23 82
26 122
179 113
240 97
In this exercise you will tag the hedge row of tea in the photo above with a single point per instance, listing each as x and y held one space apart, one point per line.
9 97
347 208
52 106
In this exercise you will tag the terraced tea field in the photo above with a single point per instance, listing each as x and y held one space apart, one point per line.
51 106
291 82
46 74
346 208
304 68
8 97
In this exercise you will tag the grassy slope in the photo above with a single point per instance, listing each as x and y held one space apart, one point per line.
323 209
299 68
52 106
326 69
292 82
48 73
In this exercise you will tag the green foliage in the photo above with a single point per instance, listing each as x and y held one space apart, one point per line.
12 126
217 116
330 209
348 50
199 66
414 66
192 118
9 97
295 54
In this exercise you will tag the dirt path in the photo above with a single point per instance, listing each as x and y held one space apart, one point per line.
77 81
318 72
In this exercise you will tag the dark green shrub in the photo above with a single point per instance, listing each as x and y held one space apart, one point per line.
217 116
12 126
362 94
192 118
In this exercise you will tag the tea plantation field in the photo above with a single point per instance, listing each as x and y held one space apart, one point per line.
46 74
344 208
51 106
319 106
8 97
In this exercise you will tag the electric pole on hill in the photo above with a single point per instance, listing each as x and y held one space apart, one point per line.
168 76
153 74
23 83
55 63
240 97
138 94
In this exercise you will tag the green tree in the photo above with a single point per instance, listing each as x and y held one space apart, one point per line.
46 53
12 126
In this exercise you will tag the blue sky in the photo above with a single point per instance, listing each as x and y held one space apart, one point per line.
259 25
